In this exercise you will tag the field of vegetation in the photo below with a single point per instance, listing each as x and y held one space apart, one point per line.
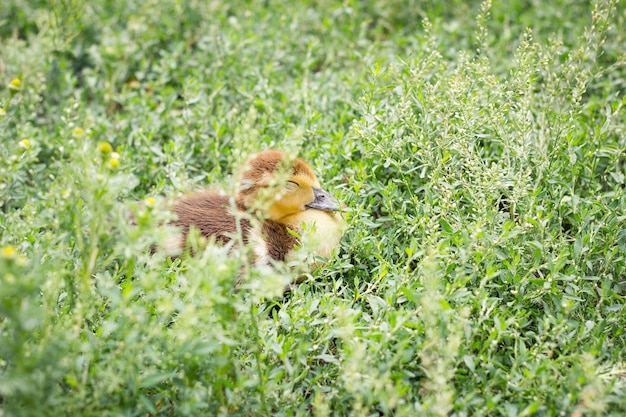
479 148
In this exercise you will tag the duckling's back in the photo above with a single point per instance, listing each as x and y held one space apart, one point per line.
211 214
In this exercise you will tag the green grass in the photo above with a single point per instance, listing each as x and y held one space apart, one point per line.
480 150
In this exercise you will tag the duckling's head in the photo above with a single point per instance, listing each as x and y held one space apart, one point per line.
279 186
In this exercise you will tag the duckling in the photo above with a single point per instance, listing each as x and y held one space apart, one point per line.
285 197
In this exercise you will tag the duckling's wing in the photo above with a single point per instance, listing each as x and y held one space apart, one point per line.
278 239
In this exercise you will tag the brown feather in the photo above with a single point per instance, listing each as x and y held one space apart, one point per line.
211 214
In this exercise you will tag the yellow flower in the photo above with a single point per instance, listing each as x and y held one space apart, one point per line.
15 84
78 132
8 252
114 163
150 202
105 148
24 143
3 112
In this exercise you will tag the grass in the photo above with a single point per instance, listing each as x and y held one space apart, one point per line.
479 148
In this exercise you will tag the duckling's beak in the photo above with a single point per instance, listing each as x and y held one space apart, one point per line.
323 201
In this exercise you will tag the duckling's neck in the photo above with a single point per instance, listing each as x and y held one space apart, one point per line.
324 229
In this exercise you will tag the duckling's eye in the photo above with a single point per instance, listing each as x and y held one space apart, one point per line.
291 185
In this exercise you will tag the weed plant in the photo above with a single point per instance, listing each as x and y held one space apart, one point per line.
480 150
